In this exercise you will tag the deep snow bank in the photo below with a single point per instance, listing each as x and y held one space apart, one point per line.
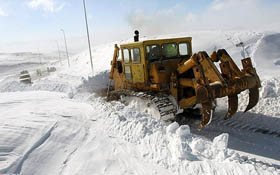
269 101
174 147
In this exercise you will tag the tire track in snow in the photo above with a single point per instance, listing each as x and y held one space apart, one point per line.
247 127
67 160
40 142
251 159
236 126
75 149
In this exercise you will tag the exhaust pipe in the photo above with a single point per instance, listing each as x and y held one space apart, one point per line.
136 36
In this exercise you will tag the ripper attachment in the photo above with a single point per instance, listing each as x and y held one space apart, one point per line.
210 84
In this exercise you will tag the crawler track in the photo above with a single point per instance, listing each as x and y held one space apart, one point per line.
167 109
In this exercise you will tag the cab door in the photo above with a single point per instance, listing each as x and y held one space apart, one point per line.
127 64
138 73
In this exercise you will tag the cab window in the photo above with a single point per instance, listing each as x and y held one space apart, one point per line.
153 52
184 49
135 55
169 50
127 72
126 55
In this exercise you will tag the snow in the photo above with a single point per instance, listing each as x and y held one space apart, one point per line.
60 125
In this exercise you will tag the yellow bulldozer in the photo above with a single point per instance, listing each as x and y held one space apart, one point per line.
170 77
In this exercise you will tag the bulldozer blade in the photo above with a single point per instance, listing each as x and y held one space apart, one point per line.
232 106
253 98
206 115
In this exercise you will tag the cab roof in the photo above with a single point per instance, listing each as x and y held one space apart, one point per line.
158 41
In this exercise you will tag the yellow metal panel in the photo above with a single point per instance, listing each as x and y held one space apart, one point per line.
138 73
159 41
131 45
188 102
186 82
186 66
171 40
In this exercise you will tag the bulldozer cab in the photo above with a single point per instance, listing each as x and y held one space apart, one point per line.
152 61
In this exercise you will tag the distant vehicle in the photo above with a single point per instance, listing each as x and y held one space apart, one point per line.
25 77
51 69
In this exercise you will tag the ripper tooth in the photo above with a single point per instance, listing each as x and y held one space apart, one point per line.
232 106
253 98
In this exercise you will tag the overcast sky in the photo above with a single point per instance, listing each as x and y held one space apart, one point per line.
31 21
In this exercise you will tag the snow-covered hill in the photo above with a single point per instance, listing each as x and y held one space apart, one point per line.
59 125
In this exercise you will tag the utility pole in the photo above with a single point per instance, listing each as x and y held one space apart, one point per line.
66 47
58 53
89 47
